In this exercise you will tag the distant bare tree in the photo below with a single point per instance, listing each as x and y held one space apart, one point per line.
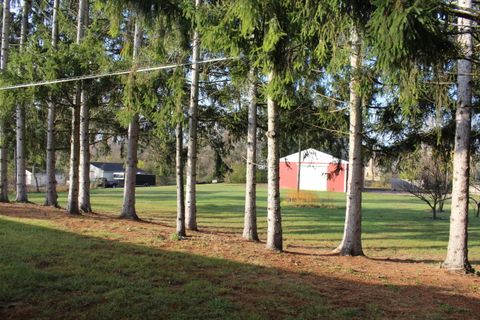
431 184
474 196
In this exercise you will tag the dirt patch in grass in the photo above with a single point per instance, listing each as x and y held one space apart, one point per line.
356 287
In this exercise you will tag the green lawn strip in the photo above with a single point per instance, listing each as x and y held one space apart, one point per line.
393 225
56 274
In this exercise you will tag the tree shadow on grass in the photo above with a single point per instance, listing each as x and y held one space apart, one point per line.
51 274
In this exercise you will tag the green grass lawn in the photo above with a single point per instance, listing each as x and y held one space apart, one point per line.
393 225
51 274
47 272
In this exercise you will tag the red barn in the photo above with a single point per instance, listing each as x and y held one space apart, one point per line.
319 171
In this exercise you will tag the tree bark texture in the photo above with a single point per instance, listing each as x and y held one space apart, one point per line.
24 22
21 179
73 190
84 167
5 35
299 169
250 221
274 216
21 185
51 194
3 163
180 187
1 23
3 130
128 210
190 200
72 202
457 252
351 244
81 19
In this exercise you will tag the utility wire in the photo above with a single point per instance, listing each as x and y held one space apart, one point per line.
111 74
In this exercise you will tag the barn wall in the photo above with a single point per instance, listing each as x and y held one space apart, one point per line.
336 180
288 175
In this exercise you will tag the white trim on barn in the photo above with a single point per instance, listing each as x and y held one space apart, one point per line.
312 156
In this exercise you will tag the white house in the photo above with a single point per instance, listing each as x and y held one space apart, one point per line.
40 178
107 170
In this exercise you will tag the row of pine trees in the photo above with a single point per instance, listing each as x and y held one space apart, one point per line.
271 49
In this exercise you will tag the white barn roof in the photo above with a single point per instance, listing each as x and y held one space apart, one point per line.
312 156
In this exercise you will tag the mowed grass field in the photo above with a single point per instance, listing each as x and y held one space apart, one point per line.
96 267
397 226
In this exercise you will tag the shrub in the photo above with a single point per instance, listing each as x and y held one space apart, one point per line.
239 171
302 199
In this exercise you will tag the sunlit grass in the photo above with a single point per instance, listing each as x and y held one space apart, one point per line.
95 270
393 225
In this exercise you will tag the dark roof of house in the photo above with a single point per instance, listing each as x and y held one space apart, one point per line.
108 166
112 167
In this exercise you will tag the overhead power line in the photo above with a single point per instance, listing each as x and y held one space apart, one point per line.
111 74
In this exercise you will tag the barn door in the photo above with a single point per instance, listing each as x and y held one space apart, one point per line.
313 177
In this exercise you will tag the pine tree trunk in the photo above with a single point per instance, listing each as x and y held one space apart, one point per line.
191 201
351 244
35 178
3 163
72 202
73 190
84 168
128 210
1 22
21 183
20 155
180 187
81 19
51 194
3 123
274 217
250 222
457 252
5 35
299 169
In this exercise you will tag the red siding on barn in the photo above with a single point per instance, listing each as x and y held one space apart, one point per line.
288 175
319 171
336 177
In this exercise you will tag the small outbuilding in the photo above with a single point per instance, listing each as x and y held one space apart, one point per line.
105 170
39 178
319 171
113 174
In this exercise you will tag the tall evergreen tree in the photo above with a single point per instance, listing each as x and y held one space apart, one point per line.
84 164
20 119
457 253
51 183
3 121
274 217
352 242
191 196
79 100
128 210
250 217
